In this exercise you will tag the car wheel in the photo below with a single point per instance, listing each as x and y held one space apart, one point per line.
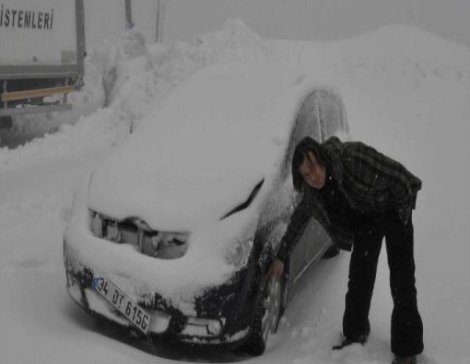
267 315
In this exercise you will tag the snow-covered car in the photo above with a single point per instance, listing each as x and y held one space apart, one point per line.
173 234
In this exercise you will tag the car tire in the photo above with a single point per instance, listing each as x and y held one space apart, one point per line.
266 316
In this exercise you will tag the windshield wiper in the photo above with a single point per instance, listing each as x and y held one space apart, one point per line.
247 203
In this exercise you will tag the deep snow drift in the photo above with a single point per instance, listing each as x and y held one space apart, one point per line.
406 92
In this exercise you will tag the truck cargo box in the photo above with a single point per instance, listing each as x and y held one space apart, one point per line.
42 48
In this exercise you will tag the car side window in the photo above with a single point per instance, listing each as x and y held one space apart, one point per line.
333 113
309 119
307 123
320 116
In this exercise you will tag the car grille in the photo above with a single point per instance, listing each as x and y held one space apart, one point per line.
134 231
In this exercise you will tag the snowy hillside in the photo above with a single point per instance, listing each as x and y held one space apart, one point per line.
407 93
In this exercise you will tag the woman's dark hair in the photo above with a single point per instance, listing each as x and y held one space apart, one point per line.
307 144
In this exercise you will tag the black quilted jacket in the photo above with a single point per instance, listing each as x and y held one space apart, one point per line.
370 181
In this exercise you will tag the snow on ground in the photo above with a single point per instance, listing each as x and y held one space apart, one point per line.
407 93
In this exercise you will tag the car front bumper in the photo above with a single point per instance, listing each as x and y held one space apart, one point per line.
223 314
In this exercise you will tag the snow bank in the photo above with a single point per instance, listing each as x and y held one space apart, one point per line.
130 79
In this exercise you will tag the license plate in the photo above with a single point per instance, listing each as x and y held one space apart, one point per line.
122 302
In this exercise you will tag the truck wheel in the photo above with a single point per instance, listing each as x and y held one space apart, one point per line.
266 318
6 122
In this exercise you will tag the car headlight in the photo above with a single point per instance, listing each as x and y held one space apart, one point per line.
134 231
165 245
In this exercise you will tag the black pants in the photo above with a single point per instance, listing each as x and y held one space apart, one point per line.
406 325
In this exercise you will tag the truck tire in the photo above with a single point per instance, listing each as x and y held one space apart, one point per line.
6 122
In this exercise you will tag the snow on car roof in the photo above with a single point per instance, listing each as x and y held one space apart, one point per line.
202 152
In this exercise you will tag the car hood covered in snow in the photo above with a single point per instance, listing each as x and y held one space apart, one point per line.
203 151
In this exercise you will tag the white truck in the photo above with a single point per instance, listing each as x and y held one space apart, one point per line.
42 50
